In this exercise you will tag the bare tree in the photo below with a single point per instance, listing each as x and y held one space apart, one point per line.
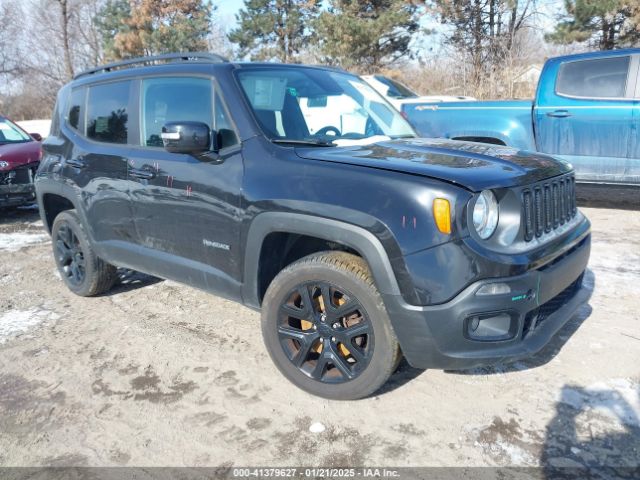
61 38
486 35
9 32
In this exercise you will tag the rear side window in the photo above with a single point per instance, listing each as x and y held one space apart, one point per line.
107 112
174 100
598 78
75 115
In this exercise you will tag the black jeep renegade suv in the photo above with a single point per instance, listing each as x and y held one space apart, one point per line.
299 191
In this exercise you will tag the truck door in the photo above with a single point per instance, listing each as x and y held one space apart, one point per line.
632 172
187 209
586 115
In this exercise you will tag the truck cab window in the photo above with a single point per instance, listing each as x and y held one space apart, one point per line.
597 78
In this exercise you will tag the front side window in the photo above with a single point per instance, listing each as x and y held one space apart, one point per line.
107 112
597 78
314 105
170 99
11 133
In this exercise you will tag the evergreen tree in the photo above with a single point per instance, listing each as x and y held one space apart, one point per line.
366 35
605 24
110 22
274 29
151 27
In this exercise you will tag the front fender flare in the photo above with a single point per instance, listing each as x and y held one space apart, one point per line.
361 240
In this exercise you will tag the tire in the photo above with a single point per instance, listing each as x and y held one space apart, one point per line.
83 272
343 346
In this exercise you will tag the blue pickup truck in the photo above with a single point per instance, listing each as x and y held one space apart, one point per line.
586 111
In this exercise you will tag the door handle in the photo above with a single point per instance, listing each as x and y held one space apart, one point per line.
76 162
559 114
142 173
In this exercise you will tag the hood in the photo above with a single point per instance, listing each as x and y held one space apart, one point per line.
475 166
17 154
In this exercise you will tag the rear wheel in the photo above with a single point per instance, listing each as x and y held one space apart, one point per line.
83 272
326 328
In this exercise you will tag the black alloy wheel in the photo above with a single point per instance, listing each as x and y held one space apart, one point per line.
70 256
325 332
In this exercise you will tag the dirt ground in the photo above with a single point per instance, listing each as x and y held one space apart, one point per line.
159 374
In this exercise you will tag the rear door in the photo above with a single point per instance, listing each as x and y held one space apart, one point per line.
98 123
587 119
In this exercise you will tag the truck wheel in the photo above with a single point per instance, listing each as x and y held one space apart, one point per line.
326 327
81 270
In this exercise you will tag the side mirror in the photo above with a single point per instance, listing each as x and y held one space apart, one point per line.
36 136
186 137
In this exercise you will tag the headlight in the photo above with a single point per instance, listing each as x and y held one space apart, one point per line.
485 214
3 164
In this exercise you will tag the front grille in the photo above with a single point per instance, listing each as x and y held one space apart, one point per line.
537 316
18 176
548 205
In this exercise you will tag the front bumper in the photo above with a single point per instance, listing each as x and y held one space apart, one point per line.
20 190
14 195
540 302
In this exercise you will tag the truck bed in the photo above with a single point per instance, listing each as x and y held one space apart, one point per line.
506 121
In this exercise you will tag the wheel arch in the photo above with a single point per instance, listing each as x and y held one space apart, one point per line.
52 200
361 241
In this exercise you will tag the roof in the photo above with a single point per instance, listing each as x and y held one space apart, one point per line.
596 54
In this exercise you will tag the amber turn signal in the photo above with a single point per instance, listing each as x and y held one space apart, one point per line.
442 214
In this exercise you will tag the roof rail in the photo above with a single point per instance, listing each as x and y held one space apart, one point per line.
154 60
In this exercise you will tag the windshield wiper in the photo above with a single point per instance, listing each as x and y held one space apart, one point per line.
313 143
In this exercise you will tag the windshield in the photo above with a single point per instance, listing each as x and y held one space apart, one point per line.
11 133
300 105
396 89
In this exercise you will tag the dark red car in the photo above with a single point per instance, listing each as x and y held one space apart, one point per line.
20 155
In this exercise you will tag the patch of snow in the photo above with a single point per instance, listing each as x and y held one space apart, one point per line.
16 322
516 455
317 427
617 398
12 242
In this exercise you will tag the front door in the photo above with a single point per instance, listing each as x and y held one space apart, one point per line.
588 119
186 209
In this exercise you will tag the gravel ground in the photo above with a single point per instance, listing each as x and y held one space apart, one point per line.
159 374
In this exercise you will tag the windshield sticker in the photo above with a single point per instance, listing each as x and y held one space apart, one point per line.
102 124
265 93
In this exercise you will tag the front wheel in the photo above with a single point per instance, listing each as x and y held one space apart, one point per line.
326 327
